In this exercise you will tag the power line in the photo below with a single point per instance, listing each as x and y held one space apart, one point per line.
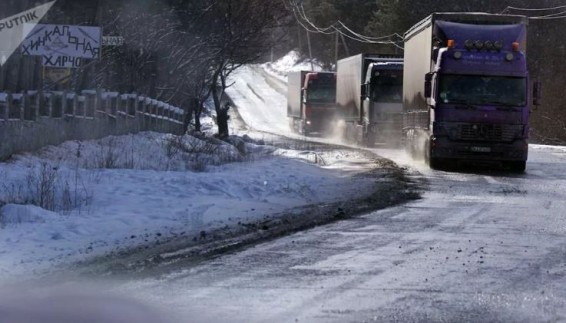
338 29
368 37
303 15
549 17
558 14
356 36
532 9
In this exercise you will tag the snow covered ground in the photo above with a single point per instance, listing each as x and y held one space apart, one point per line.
149 194
107 195
290 62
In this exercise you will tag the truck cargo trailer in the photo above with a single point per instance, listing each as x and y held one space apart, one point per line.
368 96
311 101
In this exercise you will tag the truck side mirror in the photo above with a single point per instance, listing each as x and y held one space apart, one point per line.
428 85
536 93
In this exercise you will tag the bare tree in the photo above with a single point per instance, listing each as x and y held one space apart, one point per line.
240 32
178 51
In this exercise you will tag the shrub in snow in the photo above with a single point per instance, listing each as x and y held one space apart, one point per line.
239 143
49 186
42 181
11 214
198 153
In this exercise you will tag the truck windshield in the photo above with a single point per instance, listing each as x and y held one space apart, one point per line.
387 86
321 94
476 89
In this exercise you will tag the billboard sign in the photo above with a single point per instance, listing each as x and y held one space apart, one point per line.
112 40
62 45
57 75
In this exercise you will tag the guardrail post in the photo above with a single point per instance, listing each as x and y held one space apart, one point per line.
155 114
74 103
118 104
90 104
107 104
38 101
137 105
64 104
97 103
132 104
50 105
24 105
85 104
147 113
7 106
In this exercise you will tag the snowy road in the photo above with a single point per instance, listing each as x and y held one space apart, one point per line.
476 247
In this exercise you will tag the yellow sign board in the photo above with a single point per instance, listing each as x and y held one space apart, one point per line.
57 75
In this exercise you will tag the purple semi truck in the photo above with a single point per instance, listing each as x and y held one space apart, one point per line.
466 90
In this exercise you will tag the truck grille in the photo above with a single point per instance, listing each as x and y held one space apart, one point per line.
487 132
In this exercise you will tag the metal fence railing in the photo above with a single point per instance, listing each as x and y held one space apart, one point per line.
34 119
32 105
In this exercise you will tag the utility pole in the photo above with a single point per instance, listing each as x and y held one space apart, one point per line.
299 37
345 45
310 49
336 50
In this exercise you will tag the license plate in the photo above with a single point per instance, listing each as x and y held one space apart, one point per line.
481 149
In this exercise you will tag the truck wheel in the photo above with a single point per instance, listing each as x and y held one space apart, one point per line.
410 145
369 140
304 130
301 128
436 163
517 166
292 125
433 163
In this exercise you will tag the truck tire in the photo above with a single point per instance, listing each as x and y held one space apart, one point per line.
301 128
410 145
517 166
436 163
292 125
369 140
433 163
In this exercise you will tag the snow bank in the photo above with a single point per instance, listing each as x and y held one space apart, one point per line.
143 189
13 214
290 62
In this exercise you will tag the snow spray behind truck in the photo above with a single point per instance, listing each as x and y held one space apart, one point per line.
311 101
368 96
466 89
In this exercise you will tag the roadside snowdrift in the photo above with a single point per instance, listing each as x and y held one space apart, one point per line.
118 192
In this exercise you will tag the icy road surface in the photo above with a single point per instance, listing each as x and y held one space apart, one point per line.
476 247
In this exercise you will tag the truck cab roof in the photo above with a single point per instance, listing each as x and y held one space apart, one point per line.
479 18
